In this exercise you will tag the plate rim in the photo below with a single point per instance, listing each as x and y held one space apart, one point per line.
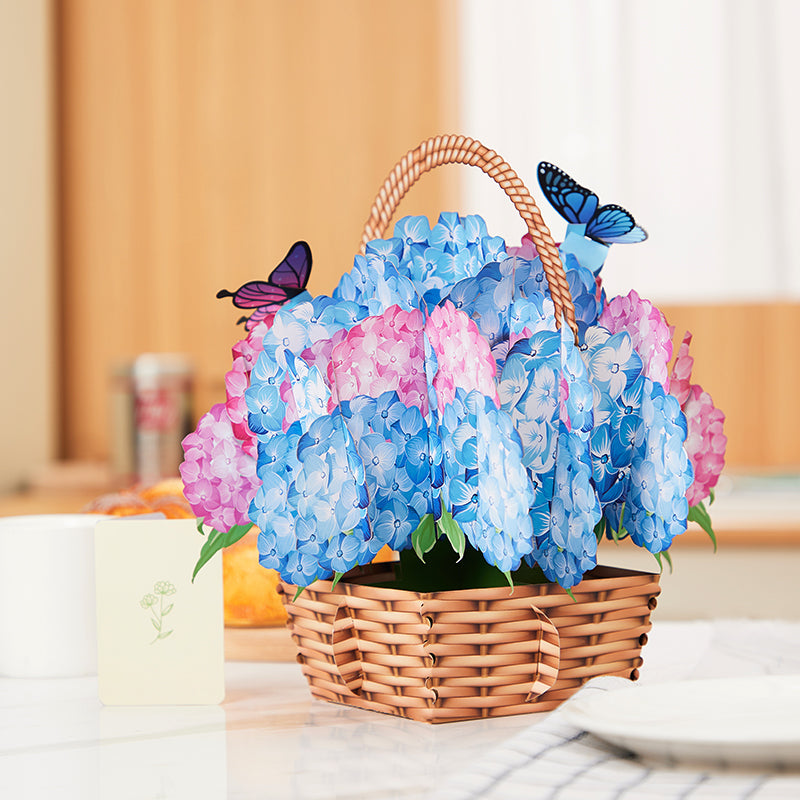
577 715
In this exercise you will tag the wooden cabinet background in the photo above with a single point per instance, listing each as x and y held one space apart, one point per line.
199 138
747 356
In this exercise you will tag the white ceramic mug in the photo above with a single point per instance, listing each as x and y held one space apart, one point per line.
48 626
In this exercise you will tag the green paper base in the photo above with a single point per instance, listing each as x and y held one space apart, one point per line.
443 571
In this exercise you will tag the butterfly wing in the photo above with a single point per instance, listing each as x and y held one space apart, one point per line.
254 294
612 224
261 314
286 281
575 203
293 272
260 295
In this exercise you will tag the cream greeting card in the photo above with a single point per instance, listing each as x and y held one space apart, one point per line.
160 636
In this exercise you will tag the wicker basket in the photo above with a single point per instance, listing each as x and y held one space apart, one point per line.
447 656
456 655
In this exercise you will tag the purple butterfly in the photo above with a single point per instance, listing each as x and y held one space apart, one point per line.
286 281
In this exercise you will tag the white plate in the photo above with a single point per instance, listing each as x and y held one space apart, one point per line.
733 721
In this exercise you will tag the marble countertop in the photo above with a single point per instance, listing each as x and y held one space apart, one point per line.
270 739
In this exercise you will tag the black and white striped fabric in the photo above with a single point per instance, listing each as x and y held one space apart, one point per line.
553 760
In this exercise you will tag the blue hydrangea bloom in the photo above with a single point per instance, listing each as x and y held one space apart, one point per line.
639 465
491 296
418 263
568 548
486 487
544 387
504 299
580 433
661 473
585 295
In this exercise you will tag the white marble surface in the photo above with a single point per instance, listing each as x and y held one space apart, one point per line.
270 739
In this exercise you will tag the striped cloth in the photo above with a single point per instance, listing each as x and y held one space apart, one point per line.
554 760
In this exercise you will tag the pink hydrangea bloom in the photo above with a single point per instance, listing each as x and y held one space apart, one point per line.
526 250
464 357
319 354
245 355
648 329
251 346
705 441
290 407
680 380
219 477
563 396
382 353
236 381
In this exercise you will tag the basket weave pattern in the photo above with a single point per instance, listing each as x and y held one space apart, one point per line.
455 655
447 656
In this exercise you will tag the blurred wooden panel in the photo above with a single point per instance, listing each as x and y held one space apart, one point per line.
199 140
27 246
747 357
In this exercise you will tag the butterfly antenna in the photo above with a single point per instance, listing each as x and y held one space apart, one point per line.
225 293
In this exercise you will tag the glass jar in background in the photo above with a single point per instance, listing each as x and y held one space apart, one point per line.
151 412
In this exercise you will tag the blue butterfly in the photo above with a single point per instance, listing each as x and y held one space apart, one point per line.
609 224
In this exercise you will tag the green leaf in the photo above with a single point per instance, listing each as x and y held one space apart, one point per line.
443 571
301 589
164 635
569 592
620 533
424 537
167 610
200 527
599 529
455 535
217 541
337 576
711 495
700 515
156 625
666 556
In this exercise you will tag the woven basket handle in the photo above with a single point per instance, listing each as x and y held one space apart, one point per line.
439 150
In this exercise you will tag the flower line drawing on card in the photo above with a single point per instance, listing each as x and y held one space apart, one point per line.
155 602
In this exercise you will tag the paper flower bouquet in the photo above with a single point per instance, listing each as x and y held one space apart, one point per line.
483 409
